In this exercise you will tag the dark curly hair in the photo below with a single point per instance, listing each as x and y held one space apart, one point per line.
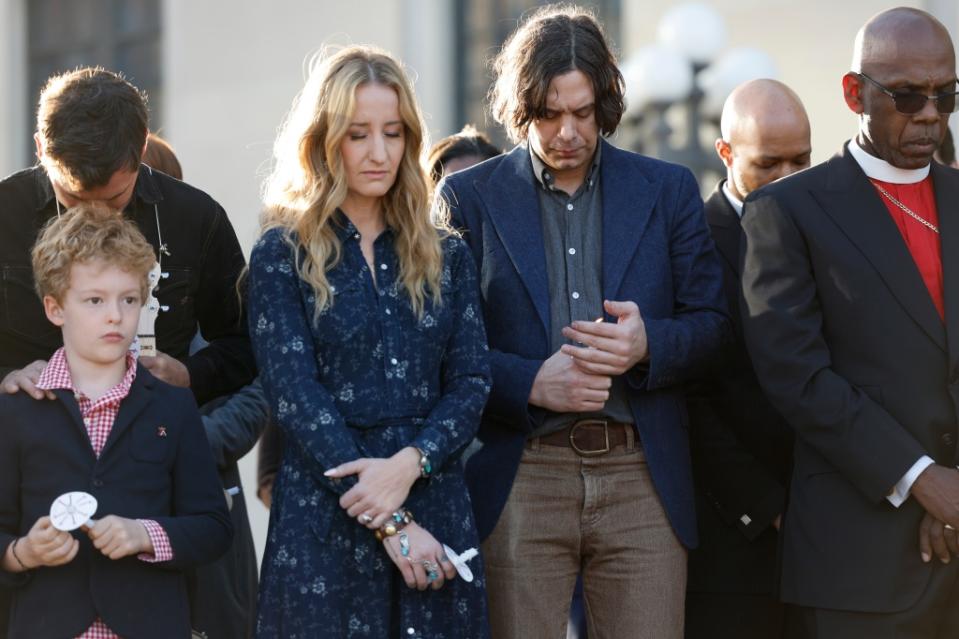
552 41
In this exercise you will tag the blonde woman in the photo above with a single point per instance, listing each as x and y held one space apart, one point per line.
366 326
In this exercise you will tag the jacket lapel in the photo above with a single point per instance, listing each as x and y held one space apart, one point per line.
138 398
946 185
725 225
854 205
69 403
628 199
513 207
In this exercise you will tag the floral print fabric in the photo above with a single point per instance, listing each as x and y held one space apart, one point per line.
365 378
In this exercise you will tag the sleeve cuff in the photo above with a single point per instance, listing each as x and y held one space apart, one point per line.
162 550
900 493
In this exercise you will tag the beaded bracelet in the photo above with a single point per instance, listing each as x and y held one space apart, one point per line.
398 521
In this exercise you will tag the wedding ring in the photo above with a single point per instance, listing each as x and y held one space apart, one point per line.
948 527
365 519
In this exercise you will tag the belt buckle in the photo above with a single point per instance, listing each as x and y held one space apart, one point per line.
589 453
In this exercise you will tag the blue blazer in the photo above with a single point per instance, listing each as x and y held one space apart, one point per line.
657 252
143 472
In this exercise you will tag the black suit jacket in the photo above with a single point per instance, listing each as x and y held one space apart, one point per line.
849 347
141 474
741 450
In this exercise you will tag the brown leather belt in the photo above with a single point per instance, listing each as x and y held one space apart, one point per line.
590 437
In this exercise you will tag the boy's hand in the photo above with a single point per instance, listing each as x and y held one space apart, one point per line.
25 379
44 545
167 369
118 537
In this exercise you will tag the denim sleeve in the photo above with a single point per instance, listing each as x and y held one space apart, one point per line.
280 330
453 421
234 426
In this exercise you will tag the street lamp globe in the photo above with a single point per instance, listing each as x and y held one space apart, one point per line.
728 72
654 75
694 30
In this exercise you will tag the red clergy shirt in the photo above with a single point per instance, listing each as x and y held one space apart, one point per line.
98 417
922 242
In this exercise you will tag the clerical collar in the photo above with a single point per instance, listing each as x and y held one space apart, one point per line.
735 201
881 170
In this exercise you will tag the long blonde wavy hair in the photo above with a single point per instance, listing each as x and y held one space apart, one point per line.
308 181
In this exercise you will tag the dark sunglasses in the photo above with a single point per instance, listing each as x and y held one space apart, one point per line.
910 102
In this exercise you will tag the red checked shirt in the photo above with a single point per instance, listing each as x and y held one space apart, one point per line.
98 417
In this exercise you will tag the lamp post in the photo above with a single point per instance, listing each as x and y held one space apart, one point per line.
683 74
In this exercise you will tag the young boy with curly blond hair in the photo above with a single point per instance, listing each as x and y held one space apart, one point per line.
114 431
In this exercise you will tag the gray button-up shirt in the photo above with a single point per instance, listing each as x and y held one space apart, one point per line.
573 240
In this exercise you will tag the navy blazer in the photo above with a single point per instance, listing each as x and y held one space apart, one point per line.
657 252
144 471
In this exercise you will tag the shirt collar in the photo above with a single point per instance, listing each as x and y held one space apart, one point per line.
878 169
56 374
545 177
146 188
736 203
345 229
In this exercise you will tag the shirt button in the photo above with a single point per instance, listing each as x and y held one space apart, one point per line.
411 631
569 207
393 361
575 295
572 251
383 267
388 312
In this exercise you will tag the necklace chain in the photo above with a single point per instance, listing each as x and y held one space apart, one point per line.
908 211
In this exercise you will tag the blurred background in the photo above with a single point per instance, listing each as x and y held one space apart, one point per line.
222 73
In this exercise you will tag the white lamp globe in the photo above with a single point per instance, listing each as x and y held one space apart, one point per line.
656 74
732 69
695 30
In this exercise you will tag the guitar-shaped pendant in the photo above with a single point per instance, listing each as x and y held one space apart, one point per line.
146 331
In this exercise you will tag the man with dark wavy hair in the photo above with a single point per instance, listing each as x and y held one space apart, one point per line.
601 295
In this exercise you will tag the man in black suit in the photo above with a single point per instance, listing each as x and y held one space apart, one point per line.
851 316
741 446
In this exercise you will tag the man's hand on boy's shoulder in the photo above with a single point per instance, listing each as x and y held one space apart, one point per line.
44 545
168 369
118 537
25 379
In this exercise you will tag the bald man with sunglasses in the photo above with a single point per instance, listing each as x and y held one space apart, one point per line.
851 316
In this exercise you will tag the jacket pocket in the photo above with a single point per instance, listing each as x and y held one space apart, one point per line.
176 294
339 321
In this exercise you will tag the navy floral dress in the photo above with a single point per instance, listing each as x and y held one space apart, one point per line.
365 379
